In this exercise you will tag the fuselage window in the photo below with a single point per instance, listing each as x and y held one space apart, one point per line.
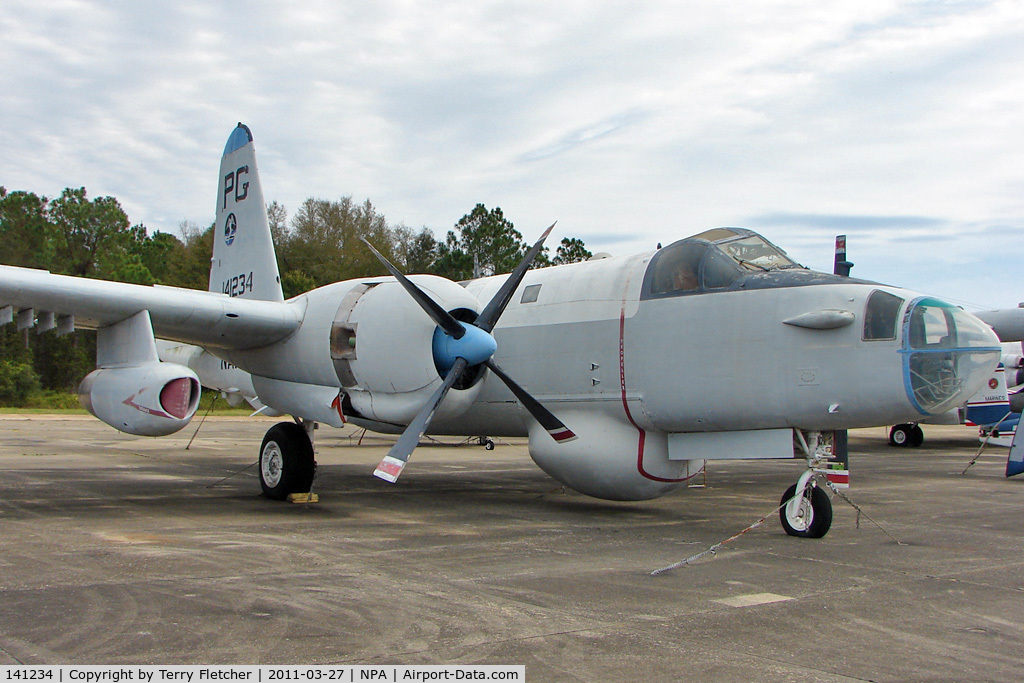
530 294
880 316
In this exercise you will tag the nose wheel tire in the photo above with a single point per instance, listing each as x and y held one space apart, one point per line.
811 517
286 461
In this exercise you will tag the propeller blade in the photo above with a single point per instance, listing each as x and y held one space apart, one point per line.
394 462
443 318
555 427
497 304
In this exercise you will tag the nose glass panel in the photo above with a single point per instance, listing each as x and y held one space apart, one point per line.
947 353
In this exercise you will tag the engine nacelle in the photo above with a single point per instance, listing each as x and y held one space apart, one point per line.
611 459
154 399
381 344
371 339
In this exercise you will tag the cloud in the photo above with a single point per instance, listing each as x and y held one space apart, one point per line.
584 135
849 223
633 124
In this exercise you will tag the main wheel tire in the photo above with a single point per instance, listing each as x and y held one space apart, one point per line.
814 517
286 461
900 435
916 436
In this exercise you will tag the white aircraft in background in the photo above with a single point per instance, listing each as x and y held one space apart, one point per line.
646 360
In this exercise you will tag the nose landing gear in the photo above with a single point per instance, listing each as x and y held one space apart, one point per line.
807 514
806 510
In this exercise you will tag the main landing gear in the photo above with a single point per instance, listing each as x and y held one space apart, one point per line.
287 464
906 436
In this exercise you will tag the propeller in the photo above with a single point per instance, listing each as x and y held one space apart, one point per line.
458 346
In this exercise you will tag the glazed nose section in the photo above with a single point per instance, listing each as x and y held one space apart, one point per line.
948 354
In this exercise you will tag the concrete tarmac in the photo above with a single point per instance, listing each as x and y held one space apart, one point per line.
117 549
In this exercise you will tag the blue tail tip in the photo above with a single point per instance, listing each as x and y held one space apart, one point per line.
239 138
1014 467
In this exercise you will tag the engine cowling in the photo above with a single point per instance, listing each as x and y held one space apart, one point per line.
154 399
382 347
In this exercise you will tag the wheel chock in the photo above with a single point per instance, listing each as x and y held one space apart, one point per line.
303 498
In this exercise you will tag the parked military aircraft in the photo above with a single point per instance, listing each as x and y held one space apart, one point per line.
645 362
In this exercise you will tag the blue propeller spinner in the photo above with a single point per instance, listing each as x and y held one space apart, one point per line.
476 346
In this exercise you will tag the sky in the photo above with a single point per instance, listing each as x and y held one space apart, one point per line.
899 124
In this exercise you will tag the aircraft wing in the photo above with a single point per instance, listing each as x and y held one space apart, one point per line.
208 319
1008 323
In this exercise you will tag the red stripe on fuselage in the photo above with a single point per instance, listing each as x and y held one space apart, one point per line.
625 404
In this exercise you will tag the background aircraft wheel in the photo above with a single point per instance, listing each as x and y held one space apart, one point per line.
489 444
814 516
916 436
286 461
899 435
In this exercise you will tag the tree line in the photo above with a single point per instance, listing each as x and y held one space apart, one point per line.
320 244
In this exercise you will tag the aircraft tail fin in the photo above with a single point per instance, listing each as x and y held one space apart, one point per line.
990 406
1015 461
244 262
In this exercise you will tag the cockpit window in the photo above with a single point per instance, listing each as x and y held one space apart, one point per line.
689 266
677 266
712 260
718 270
754 252
880 316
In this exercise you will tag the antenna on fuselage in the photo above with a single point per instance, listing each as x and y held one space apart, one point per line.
841 265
